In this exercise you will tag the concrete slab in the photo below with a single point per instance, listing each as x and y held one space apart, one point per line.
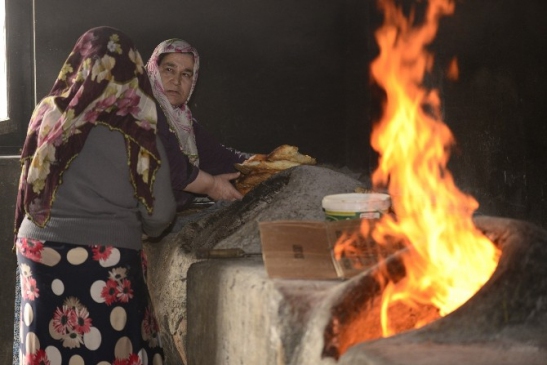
237 315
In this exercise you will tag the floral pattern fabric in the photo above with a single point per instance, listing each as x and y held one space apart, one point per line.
102 81
84 302
179 118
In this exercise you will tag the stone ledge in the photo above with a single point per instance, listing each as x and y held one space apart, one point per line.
237 315
380 353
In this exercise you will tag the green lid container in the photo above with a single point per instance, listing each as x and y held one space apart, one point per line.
355 206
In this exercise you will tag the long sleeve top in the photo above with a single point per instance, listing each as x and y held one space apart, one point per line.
96 205
214 158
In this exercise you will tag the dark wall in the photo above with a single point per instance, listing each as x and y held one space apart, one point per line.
497 109
273 72
9 171
20 75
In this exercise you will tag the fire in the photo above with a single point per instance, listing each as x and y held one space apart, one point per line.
448 259
453 71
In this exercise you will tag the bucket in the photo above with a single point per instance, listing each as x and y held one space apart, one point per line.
355 205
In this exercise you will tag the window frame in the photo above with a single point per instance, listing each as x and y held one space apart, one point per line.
20 74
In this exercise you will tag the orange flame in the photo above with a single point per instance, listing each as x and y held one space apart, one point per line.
449 260
453 72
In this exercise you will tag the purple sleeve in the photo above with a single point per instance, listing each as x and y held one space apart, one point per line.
215 158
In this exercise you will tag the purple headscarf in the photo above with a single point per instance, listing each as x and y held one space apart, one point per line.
103 81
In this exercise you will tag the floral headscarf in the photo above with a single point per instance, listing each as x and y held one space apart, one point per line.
103 81
179 118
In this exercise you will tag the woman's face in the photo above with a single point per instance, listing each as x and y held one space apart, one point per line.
177 75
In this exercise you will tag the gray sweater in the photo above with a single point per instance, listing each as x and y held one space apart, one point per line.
96 205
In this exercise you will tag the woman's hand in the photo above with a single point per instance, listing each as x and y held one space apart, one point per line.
223 189
216 187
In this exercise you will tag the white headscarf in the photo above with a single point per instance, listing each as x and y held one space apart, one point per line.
180 117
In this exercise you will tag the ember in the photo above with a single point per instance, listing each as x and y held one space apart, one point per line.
448 259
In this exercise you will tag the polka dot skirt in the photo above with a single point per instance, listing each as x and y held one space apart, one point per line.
85 305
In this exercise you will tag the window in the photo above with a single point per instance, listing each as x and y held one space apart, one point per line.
3 68
16 73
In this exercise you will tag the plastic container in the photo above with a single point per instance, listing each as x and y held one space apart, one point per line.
355 205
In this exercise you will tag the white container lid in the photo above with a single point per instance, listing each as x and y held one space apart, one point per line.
357 202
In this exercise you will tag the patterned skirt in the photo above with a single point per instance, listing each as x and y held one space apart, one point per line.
85 305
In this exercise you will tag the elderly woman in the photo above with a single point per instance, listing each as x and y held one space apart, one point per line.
200 165
95 177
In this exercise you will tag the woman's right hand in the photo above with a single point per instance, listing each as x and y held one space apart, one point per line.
216 187
223 189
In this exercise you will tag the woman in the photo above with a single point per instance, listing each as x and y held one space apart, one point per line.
199 164
95 177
